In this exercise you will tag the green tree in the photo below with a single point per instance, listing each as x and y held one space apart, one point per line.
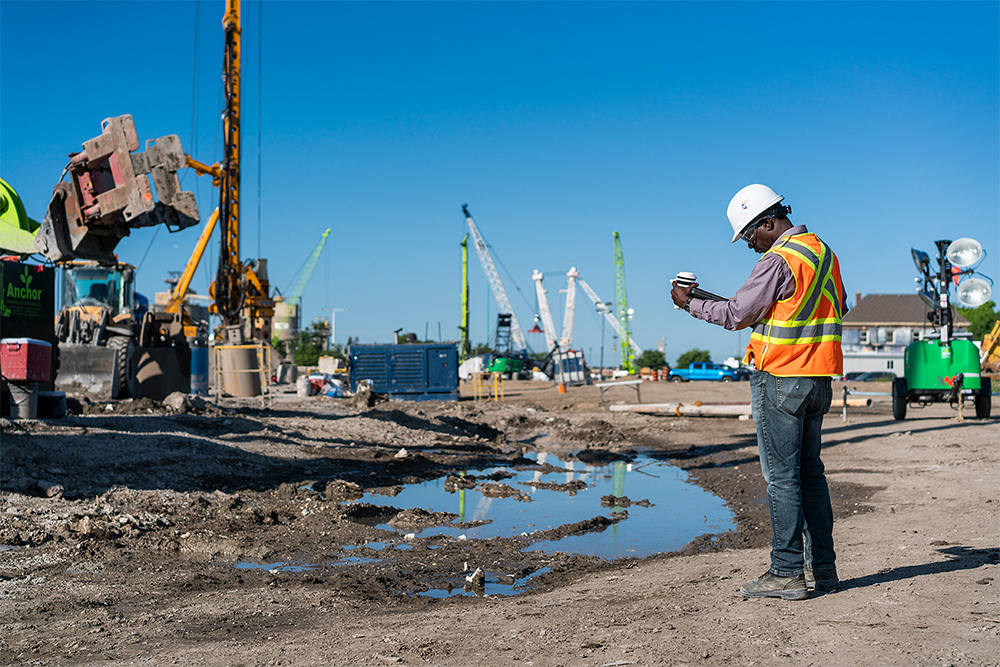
337 352
306 346
651 359
981 318
691 356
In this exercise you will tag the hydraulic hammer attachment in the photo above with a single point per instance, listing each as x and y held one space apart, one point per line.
108 194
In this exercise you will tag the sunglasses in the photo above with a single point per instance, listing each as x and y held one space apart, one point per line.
747 235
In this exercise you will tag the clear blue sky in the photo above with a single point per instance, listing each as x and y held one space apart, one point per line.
558 123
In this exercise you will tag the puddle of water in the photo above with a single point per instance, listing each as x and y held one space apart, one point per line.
493 587
681 511
354 560
280 566
290 566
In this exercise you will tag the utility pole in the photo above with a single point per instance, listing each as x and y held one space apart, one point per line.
603 308
333 322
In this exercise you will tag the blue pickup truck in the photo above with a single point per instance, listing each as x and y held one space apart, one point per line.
703 370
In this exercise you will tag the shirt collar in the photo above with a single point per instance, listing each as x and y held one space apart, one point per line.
797 229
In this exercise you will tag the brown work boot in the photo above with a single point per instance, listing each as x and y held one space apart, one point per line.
772 586
824 580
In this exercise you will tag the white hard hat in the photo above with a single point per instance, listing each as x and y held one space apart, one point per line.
749 203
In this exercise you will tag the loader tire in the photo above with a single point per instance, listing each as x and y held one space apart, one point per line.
120 381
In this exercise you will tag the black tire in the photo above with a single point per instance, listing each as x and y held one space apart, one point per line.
120 384
984 399
899 392
676 378
726 378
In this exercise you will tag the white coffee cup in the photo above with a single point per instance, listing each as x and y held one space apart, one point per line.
684 279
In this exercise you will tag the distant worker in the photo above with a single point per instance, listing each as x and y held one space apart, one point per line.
794 300
99 292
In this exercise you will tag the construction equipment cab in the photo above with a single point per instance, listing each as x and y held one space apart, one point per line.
98 302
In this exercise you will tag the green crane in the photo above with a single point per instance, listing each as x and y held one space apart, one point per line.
465 348
624 313
296 296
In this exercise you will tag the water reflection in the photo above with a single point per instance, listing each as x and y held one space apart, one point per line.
678 512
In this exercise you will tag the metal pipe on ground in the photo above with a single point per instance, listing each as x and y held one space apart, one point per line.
696 409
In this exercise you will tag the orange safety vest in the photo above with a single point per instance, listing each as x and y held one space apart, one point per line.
800 336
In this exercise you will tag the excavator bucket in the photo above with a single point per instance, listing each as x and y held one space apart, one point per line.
109 194
17 230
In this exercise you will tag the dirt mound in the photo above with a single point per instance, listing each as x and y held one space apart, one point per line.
417 519
365 397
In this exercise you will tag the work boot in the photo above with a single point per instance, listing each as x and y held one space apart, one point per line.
826 581
772 586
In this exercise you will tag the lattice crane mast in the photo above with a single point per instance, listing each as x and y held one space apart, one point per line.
628 358
499 293
465 347
566 340
544 312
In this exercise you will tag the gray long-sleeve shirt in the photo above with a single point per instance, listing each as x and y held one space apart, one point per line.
771 280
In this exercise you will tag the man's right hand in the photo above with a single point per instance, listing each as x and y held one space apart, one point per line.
679 294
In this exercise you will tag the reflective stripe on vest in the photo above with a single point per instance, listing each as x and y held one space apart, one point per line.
800 336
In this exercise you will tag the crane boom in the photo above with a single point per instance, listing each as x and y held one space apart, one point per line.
546 314
604 310
499 293
300 286
566 340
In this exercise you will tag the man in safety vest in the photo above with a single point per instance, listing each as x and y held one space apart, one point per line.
794 300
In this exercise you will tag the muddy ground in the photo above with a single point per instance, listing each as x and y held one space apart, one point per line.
121 527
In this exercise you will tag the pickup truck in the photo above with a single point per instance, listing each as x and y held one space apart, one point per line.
703 370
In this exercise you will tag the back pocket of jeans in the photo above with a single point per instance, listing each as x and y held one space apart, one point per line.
793 394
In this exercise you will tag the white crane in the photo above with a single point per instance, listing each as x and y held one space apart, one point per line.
499 293
546 314
615 324
566 341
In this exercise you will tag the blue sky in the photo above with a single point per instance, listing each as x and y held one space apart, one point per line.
557 123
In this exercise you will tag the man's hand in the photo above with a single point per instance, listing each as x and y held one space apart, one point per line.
680 294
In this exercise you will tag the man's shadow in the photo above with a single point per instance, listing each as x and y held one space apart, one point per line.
960 558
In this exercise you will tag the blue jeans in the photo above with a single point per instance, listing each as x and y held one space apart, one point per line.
788 413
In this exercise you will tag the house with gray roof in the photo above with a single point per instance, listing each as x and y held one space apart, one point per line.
878 329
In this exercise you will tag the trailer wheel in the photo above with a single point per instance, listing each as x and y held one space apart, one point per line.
120 385
984 399
899 391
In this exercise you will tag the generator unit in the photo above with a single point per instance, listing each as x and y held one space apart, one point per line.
417 372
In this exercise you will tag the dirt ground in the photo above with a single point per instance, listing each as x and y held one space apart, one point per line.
121 526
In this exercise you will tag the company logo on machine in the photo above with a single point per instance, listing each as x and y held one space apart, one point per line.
24 293
746 204
950 381
18 295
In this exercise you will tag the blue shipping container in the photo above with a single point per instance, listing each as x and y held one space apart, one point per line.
421 372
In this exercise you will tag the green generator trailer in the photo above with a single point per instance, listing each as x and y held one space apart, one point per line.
945 367
941 372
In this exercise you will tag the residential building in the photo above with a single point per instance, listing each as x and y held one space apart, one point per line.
880 326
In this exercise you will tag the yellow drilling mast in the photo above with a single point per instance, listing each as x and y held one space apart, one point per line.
241 291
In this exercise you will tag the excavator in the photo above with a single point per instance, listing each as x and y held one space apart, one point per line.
990 354
104 334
